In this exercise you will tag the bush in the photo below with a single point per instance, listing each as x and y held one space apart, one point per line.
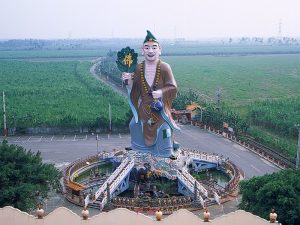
278 190
25 179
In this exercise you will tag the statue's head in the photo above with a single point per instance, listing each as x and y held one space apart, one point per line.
151 48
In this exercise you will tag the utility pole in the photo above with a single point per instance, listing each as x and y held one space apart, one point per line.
201 115
4 117
280 29
218 98
109 114
97 138
298 151
15 124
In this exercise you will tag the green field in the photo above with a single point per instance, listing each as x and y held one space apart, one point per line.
57 94
167 50
62 93
262 89
243 79
45 54
226 49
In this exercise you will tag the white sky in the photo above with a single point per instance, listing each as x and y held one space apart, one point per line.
191 19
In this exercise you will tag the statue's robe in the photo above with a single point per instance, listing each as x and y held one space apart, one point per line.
156 137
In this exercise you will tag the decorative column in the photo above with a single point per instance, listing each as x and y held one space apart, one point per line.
206 215
40 211
273 216
158 214
85 213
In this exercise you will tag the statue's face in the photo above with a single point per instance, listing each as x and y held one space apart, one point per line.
151 51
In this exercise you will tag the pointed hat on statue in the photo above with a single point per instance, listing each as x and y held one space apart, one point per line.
150 37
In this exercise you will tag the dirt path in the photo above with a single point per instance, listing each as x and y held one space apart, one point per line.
114 85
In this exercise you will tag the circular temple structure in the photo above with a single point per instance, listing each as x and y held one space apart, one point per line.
145 183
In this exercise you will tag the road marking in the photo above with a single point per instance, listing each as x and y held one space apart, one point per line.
258 170
268 163
235 155
192 136
240 147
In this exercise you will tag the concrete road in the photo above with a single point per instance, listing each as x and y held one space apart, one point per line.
249 162
64 149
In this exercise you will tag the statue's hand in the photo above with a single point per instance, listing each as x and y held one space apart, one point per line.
128 77
157 94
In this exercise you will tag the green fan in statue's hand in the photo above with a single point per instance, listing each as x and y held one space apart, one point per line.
127 60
